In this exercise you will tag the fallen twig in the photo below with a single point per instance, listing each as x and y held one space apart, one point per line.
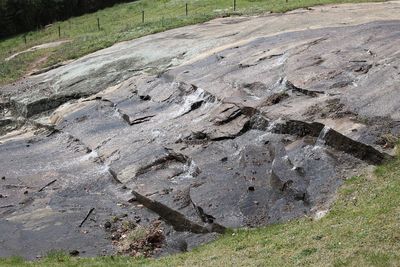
52 182
87 216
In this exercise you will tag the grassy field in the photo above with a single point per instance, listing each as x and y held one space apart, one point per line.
362 229
124 22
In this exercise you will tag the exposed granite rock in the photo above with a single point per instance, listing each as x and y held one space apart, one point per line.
197 134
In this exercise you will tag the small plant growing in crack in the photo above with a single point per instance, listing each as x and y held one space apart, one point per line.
137 240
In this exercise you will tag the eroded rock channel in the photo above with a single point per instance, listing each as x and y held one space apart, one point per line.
190 135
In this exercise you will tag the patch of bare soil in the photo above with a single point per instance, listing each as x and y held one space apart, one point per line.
38 47
133 239
35 66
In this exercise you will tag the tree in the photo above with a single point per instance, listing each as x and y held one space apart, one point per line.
17 16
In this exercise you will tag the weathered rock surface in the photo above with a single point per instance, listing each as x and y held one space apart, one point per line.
242 123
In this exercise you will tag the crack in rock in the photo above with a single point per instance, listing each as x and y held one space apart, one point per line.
141 120
287 177
233 114
159 162
312 93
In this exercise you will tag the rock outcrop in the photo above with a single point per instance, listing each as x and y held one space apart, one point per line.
261 129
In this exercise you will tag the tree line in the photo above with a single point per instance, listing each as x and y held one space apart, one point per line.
18 16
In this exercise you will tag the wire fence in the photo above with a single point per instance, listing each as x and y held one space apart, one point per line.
158 15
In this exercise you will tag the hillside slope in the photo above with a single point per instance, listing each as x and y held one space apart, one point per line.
85 34
163 143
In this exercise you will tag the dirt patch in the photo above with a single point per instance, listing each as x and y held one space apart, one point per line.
133 239
276 98
35 66
387 140
38 47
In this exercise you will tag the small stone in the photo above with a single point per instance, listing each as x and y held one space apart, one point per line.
251 188
107 225
74 253
26 192
137 219
224 159
3 178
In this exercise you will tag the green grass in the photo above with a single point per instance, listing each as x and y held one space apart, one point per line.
362 229
123 22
